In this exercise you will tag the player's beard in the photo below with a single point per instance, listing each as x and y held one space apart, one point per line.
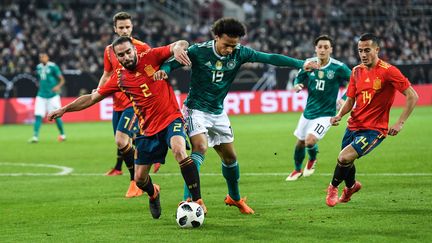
131 65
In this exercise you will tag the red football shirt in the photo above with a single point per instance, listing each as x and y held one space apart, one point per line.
374 92
154 102
120 100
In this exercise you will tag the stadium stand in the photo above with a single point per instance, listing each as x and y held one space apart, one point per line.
75 32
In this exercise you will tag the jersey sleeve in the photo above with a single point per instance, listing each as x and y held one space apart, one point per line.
57 71
250 55
301 77
351 91
344 74
110 87
160 54
107 62
398 80
173 64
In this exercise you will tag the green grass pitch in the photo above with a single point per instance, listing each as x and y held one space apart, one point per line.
394 205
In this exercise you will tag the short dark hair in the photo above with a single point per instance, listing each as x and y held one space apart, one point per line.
229 26
323 37
121 16
370 36
121 40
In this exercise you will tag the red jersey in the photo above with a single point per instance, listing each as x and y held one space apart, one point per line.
374 92
154 102
120 100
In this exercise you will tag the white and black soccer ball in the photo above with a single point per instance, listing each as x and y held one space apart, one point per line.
190 215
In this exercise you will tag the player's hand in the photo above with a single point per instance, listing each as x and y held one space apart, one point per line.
159 75
94 90
56 89
56 114
181 56
395 129
334 121
310 65
298 87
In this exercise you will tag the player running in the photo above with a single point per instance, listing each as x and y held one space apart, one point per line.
48 96
323 87
372 88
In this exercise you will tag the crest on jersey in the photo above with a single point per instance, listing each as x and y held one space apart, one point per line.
377 84
330 74
231 64
149 70
218 65
320 74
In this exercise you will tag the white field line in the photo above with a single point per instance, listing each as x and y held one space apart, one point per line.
69 171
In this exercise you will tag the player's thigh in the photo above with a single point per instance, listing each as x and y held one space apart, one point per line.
150 149
366 140
127 122
196 121
221 132
40 106
115 119
318 127
53 103
301 130
175 135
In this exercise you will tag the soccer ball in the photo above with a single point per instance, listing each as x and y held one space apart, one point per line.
190 215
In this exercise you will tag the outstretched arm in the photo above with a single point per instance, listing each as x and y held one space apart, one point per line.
80 103
278 60
411 100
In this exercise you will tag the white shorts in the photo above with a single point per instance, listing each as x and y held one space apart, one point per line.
217 127
46 105
317 127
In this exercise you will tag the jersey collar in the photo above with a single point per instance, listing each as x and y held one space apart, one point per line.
215 52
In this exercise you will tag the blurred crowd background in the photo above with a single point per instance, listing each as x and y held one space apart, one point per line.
75 32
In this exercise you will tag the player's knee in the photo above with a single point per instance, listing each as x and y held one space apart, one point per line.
310 141
229 159
345 159
200 148
179 152
121 140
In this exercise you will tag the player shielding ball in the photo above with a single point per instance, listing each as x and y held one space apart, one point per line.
215 64
155 104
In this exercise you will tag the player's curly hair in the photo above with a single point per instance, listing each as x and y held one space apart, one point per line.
323 37
121 16
229 26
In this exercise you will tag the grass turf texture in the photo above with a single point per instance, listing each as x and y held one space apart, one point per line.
85 206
